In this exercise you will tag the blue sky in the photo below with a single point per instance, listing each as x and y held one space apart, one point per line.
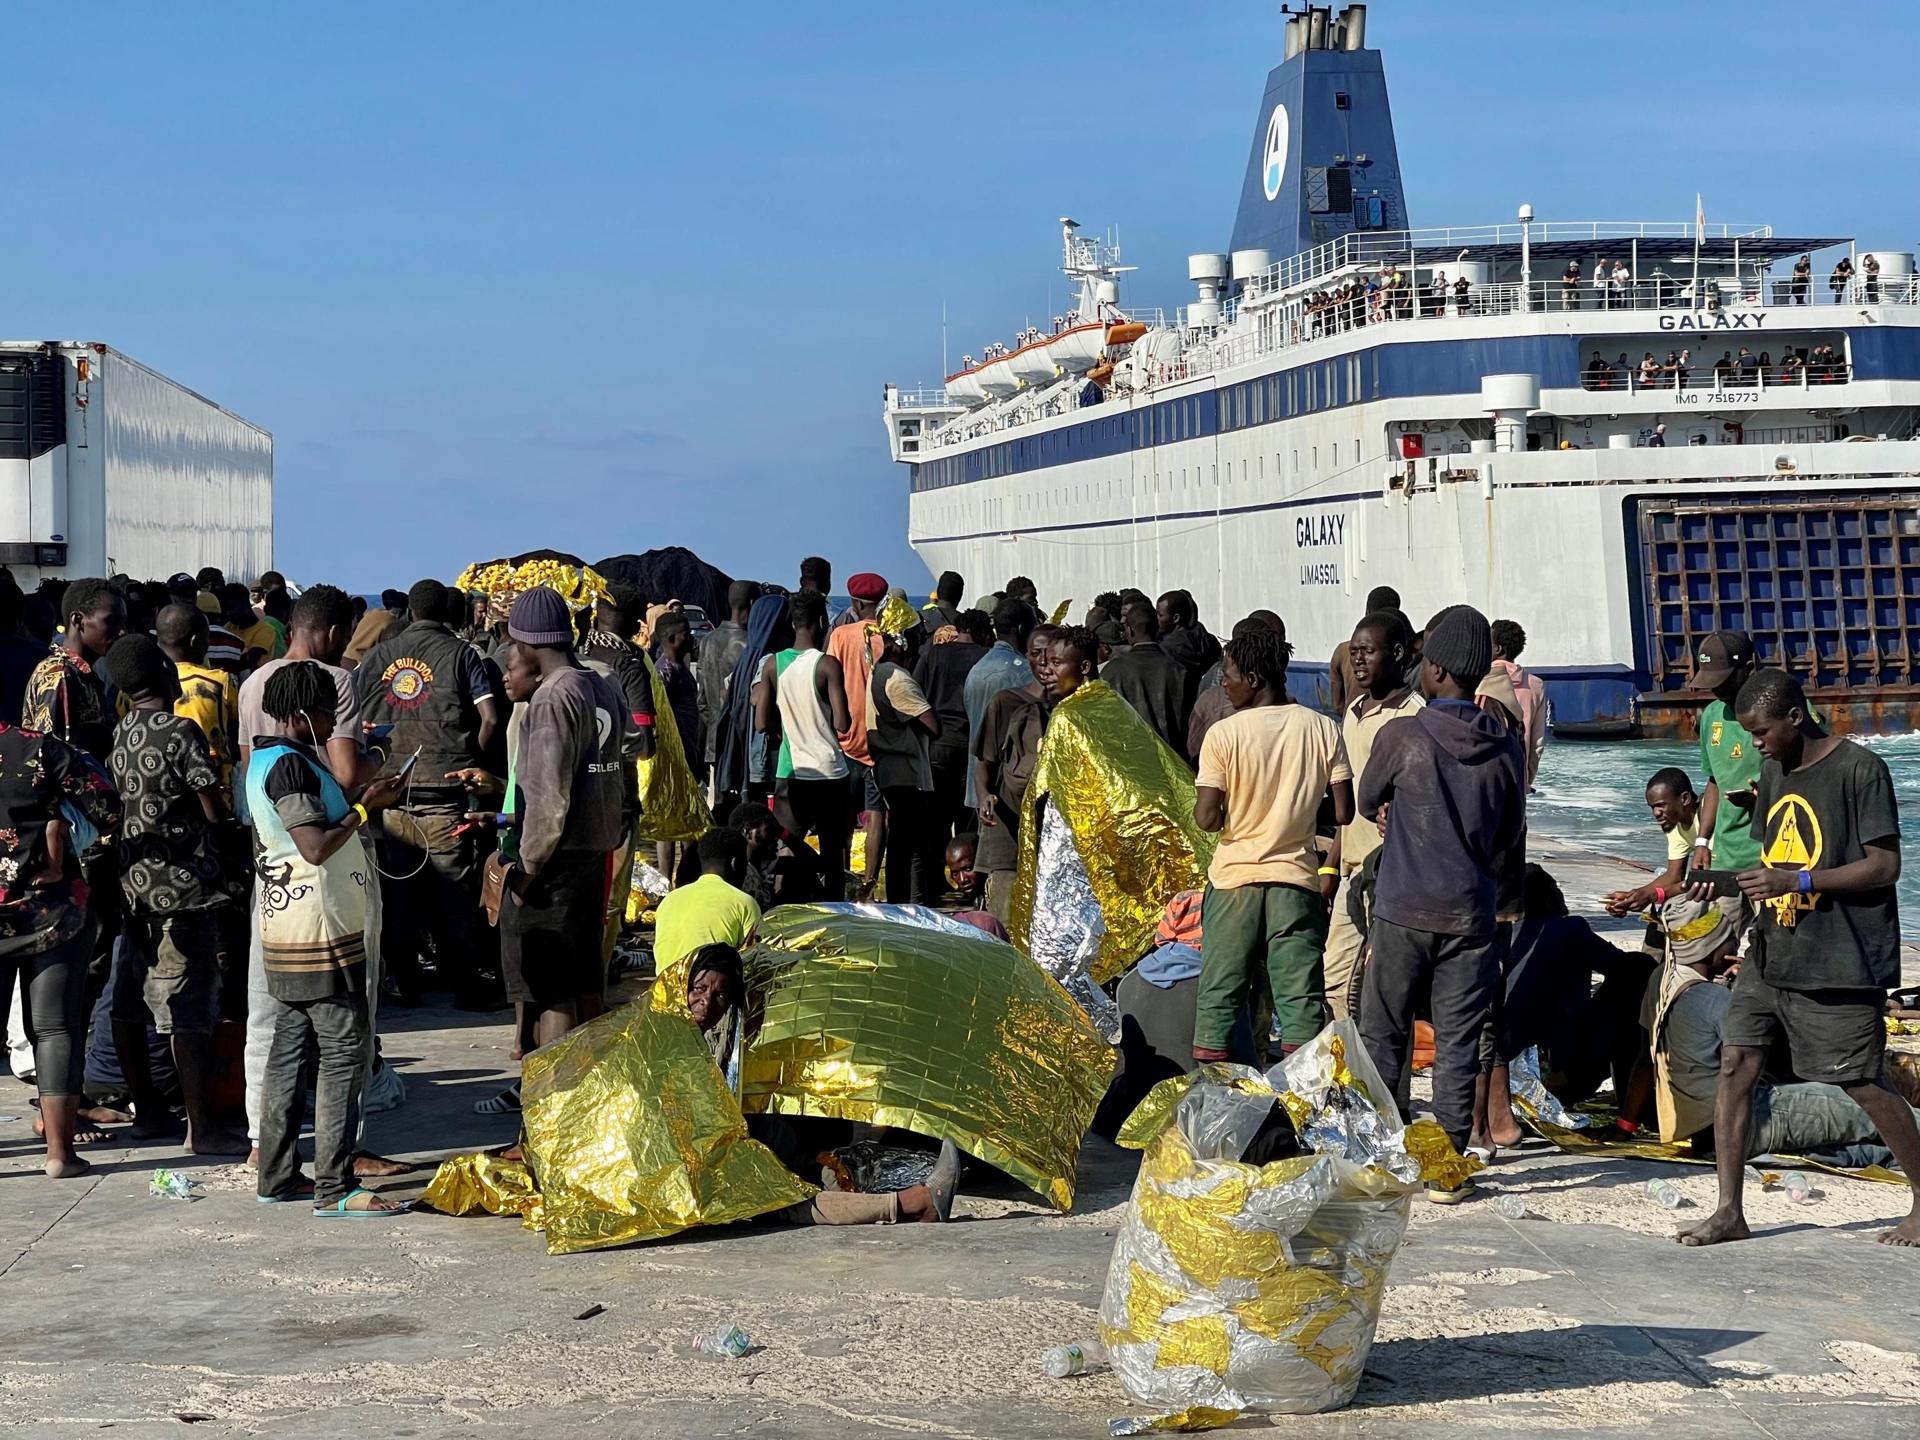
606 277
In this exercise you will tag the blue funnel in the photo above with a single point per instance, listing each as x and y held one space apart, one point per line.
1323 162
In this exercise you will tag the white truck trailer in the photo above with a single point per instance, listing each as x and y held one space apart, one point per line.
107 467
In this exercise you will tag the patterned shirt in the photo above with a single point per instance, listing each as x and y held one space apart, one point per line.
170 860
38 775
67 700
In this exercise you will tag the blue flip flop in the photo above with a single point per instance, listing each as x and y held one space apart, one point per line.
339 1211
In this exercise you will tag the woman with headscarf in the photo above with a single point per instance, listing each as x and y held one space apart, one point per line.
741 767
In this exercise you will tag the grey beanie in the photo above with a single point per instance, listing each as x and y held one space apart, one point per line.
540 617
1461 643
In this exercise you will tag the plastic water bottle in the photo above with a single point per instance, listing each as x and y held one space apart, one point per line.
1665 1194
172 1184
1798 1187
1077 1357
1511 1207
725 1341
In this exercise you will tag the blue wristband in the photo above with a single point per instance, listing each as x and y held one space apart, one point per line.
1806 882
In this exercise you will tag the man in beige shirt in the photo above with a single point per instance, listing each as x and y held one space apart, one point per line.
1263 773
1378 655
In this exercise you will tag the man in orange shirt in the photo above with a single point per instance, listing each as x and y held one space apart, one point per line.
854 645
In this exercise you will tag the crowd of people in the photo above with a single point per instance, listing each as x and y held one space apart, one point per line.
1817 365
232 801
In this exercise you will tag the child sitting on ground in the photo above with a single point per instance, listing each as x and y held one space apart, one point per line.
1676 810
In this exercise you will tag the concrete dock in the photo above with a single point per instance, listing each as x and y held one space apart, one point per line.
142 1315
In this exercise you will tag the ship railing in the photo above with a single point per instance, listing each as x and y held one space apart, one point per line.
1362 247
1693 376
923 397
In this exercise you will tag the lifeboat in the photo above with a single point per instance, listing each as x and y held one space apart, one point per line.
1032 363
965 389
1125 332
997 378
1078 348
1102 373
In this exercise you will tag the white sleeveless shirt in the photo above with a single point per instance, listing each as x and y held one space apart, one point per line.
808 741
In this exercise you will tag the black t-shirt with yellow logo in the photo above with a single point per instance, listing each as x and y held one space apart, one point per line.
1821 816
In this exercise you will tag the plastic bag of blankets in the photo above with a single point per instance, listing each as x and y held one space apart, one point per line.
1242 1287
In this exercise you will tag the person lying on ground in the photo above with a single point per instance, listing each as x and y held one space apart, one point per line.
716 998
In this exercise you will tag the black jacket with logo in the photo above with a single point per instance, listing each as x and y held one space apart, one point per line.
418 680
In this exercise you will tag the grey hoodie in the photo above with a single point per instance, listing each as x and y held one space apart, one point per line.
1457 832
569 772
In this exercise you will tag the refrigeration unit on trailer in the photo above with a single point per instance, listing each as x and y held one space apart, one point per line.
108 467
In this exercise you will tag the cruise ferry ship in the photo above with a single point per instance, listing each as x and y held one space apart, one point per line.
1622 435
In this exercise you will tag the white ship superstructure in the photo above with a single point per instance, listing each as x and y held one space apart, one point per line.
1622 435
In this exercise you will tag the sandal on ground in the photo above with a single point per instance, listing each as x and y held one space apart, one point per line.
343 1208
369 1166
300 1190
507 1102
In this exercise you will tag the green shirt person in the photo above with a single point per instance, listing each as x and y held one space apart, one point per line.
1728 755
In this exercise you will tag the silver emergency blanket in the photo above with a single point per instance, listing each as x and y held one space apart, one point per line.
1238 1287
1068 925
1525 1084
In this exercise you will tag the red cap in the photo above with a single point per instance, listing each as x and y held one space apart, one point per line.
867 586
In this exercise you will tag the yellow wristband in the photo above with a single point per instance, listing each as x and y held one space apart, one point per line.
1329 870
361 811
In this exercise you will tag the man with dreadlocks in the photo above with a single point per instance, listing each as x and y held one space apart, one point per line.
1263 773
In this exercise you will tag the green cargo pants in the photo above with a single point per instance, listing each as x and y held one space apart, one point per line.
1282 926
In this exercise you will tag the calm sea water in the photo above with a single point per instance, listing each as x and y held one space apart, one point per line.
1592 794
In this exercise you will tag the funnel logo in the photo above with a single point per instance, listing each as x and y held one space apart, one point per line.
1273 162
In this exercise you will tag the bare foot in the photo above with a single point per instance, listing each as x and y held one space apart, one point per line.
253 1158
216 1142
1720 1227
1907 1233
1506 1139
917 1207
82 1134
67 1169
368 1166
510 1152
106 1115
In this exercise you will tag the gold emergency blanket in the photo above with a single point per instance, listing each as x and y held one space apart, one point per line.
502 581
632 1134
1128 803
953 1037
671 805
1237 1287
484 1184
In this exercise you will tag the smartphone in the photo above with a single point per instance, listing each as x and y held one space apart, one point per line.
406 766
1724 882
380 734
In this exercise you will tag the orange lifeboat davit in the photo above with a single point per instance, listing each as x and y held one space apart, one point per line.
1125 332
